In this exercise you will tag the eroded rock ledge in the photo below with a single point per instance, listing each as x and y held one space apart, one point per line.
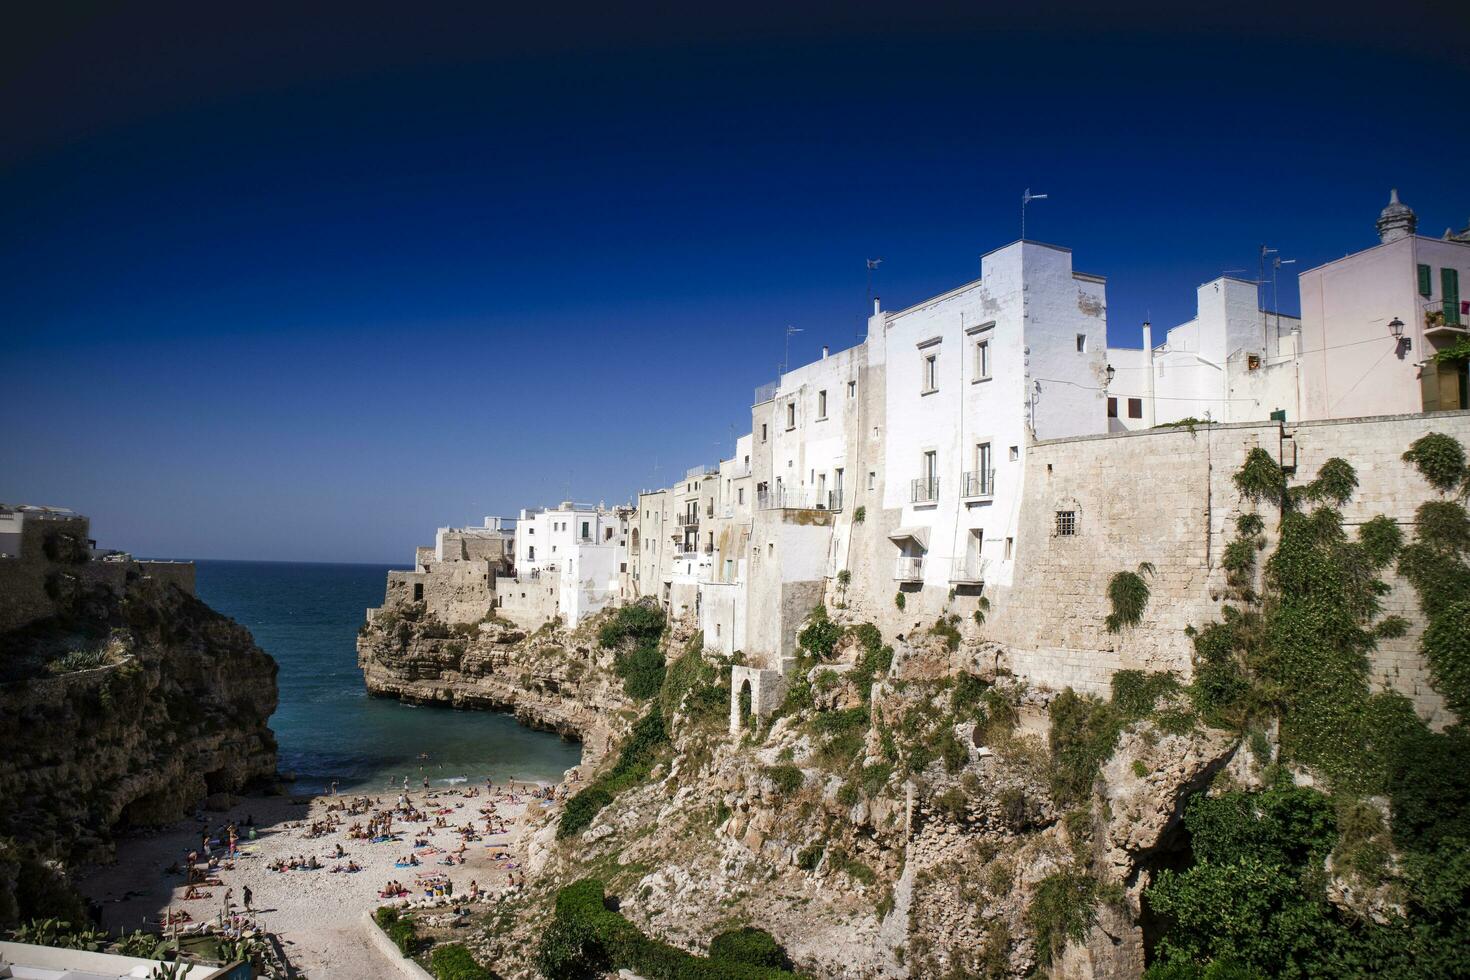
553 680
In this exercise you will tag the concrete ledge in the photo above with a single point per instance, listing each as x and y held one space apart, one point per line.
384 945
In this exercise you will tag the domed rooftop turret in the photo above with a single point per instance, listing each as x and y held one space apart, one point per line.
1396 221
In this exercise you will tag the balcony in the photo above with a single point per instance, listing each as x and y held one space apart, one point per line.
908 569
799 498
969 570
977 483
689 520
1443 324
924 490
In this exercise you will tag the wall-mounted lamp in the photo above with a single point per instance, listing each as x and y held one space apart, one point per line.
1111 372
1402 343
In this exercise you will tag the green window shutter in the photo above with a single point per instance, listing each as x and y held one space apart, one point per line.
1449 289
1425 287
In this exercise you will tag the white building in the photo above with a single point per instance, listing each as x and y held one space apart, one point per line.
584 547
970 376
1234 362
1372 322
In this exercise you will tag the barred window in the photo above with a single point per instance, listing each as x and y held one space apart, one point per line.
1066 522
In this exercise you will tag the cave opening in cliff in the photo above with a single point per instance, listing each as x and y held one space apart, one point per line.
1174 853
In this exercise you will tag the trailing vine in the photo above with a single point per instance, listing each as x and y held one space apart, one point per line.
1128 592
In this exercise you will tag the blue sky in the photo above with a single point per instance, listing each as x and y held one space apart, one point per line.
306 289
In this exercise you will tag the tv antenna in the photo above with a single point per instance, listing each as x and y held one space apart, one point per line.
1026 198
786 361
872 268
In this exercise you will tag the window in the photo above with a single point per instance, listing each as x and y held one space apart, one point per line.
1426 281
872 480
931 373
763 432
531 553
821 405
1082 343
1015 453
1112 408
852 389
740 495
622 566
982 471
1010 543
1066 523
982 359
790 415
1135 408
586 530
1449 294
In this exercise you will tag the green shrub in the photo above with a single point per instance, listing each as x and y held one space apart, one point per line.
788 779
454 962
1260 478
1128 594
1249 525
900 600
404 934
586 939
749 945
820 635
642 623
1439 458
859 515
945 630
642 671
1446 647
1062 907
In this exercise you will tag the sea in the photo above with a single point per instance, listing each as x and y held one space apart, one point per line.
307 615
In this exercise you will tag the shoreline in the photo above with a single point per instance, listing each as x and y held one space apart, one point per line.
317 913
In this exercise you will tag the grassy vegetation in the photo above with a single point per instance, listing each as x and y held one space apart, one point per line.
586 939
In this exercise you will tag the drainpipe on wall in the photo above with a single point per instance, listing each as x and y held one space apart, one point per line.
1149 418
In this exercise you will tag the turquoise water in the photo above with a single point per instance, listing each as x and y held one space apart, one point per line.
307 616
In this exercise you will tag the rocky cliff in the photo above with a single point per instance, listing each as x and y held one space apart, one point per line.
555 680
127 703
901 815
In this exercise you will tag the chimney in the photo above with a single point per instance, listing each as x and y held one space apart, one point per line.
824 352
877 306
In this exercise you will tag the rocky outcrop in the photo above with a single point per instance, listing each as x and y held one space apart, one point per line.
555 680
127 706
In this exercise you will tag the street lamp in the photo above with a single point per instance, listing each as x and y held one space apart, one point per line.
1112 372
1401 343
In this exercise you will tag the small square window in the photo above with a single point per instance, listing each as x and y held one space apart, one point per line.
1066 523
1135 408
1015 453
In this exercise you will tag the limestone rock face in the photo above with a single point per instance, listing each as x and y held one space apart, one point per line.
554 680
126 707
1142 809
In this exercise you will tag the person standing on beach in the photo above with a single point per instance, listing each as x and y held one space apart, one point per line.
246 896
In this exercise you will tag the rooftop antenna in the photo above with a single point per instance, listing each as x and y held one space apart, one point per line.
1276 265
786 361
872 268
1026 198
